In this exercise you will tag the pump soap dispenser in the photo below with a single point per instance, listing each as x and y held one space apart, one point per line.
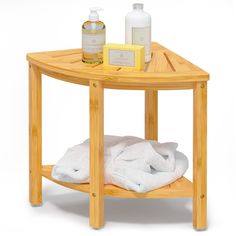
138 29
93 38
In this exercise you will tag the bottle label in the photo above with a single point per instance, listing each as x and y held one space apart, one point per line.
142 36
93 43
121 57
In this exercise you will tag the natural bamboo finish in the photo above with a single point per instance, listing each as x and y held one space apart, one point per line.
35 136
161 69
200 156
159 63
96 155
151 115
166 71
180 188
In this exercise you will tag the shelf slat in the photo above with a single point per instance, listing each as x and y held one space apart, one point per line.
165 66
180 188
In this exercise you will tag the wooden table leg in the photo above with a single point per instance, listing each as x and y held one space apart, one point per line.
96 155
200 156
151 114
35 136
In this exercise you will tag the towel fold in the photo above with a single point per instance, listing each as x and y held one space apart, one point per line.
129 162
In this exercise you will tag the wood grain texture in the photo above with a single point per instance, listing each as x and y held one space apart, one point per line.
159 63
35 135
200 156
164 85
165 67
96 154
151 116
180 188
178 63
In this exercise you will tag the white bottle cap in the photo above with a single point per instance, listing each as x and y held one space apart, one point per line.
93 16
138 6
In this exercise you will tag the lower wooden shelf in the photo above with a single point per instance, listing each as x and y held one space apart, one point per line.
180 188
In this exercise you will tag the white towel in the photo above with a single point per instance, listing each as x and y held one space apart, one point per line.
74 165
141 181
129 162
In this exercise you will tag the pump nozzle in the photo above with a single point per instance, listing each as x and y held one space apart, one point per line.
93 16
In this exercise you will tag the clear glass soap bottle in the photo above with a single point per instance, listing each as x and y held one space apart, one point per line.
93 38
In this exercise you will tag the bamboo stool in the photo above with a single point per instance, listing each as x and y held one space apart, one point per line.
166 71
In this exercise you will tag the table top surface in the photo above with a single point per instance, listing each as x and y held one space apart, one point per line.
165 67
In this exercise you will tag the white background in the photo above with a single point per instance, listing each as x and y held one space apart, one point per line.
201 31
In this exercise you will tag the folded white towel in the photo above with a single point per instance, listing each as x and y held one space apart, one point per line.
129 162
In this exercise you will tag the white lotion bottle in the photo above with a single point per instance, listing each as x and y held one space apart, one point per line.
138 29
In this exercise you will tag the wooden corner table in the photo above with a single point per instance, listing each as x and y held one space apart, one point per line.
166 71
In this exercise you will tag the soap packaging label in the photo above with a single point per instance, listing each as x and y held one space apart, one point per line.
121 57
93 43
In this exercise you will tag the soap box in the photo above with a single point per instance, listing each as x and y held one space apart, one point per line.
127 56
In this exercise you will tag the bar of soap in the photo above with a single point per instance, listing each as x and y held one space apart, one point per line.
127 56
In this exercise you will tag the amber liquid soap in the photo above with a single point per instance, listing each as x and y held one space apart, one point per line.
93 38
